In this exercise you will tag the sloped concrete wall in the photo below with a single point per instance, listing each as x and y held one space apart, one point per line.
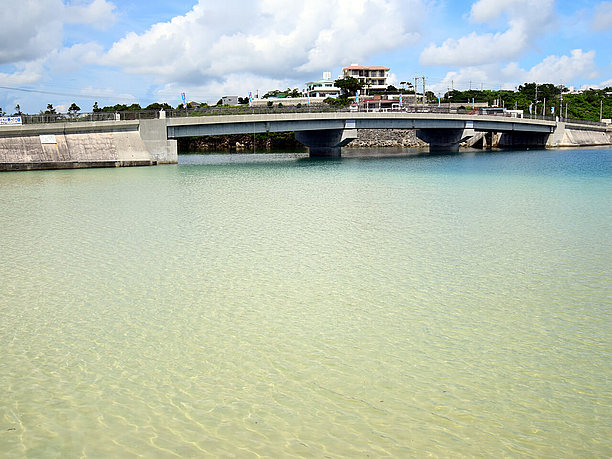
568 135
581 137
76 145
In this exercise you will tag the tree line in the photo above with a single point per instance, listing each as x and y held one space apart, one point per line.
590 104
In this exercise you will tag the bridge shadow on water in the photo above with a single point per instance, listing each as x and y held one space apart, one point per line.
281 159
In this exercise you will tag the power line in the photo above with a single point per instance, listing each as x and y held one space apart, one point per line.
64 94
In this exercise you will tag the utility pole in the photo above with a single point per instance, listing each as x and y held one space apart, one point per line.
424 97
600 110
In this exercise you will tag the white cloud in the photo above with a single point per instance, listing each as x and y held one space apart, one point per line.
99 13
104 95
564 69
234 85
30 29
274 39
526 21
552 69
605 84
71 59
27 73
603 16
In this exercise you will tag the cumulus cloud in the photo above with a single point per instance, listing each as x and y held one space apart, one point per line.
564 69
235 84
603 16
552 69
30 29
275 39
99 13
526 20
605 84
71 59
26 73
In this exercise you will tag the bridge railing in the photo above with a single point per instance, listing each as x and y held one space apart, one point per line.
44 118
587 122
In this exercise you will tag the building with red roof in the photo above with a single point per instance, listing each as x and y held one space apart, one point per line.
372 77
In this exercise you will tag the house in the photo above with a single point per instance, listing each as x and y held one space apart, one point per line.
371 77
323 88
229 100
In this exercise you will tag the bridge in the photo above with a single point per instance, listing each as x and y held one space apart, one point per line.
325 133
85 143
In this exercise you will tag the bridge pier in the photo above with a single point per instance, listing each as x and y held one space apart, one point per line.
440 139
325 143
155 137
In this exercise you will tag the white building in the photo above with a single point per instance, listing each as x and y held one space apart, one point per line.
371 77
323 88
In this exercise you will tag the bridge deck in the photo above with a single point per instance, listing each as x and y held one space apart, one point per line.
279 122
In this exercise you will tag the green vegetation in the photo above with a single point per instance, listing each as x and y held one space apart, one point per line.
341 101
580 106
349 86
587 105
392 90
118 108
74 109
282 94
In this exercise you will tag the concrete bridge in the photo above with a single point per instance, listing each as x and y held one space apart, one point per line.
325 133
153 141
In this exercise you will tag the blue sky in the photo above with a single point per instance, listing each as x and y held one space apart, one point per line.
110 51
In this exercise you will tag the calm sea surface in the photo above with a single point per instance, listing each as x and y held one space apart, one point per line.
275 306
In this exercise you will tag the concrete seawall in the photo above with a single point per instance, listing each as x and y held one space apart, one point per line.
572 135
82 145
153 141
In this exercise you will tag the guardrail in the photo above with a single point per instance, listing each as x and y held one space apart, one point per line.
246 110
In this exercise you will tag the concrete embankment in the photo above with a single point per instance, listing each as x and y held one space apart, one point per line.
573 135
77 145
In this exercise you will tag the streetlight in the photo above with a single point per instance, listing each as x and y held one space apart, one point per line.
601 105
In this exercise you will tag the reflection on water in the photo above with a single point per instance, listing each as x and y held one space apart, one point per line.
274 305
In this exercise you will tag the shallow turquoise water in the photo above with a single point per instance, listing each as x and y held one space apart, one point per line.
277 306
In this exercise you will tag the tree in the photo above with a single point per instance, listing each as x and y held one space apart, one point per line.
349 86
17 110
281 94
158 106
408 85
74 109
96 108
50 110
337 101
